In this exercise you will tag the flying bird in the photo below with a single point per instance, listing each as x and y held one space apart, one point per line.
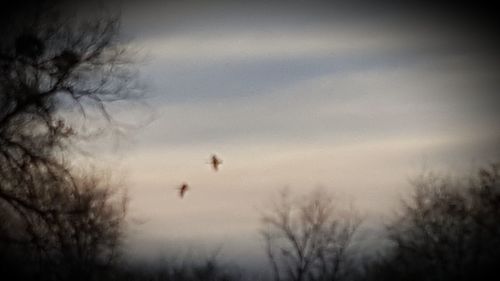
215 162
182 189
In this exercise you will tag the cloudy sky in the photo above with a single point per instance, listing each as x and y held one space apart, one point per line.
356 99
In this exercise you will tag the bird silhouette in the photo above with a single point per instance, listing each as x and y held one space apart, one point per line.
215 162
182 189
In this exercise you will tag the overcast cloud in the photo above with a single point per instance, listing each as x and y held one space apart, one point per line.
353 98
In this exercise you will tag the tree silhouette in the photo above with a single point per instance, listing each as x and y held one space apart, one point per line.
54 71
307 238
448 230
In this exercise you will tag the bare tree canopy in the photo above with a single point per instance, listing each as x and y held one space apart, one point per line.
308 237
448 230
54 67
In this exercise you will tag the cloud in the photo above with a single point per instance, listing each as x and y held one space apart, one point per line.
415 100
300 97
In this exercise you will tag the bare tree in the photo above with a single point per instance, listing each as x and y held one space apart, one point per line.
66 232
56 70
447 230
308 237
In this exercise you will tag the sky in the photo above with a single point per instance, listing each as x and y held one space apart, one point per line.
356 99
